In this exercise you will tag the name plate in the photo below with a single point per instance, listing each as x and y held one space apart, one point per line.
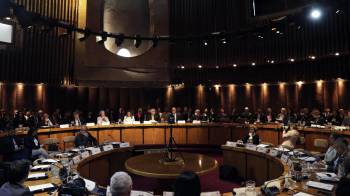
76 159
85 154
107 147
136 122
147 122
95 151
274 152
262 149
251 147
64 126
181 122
196 122
284 158
90 124
105 123
229 143
124 144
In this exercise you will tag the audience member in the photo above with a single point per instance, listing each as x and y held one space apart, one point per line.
152 115
331 153
252 137
120 184
77 121
84 138
31 143
291 138
187 184
129 118
343 187
102 118
17 174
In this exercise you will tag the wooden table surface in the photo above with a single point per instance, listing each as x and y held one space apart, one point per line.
150 165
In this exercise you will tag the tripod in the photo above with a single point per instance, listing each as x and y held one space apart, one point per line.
171 156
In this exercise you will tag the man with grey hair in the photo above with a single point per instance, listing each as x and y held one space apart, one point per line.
121 184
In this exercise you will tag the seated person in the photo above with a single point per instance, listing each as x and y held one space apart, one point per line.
252 137
139 116
173 117
346 119
17 174
12 148
291 138
84 138
341 146
46 121
331 153
316 117
129 118
77 120
269 117
246 115
102 118
31 143
120 184
187 184
197 115
222 116
343 188
205 115
259 117
282 117
153 116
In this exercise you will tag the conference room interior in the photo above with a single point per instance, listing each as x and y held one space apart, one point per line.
174 97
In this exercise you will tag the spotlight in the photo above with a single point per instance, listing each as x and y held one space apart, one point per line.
253 63
337 54
291 60
217 67
312 57
234 65
205 43
86 35
315 13
119 39
272 61
101 38
200 66
182 67
155 41
137 41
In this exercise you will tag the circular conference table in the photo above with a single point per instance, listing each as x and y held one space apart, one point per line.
154 166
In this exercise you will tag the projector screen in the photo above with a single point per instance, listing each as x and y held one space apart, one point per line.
6 35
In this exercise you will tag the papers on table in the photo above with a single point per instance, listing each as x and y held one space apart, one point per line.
124 144
282 149
64 126
140 193
49 161
37 176
229 143
41 187
302 194
262 145
196 122
89 185
307 159
216 193
66 154
107 147
327 176
41 167
90 124
181 122
320 185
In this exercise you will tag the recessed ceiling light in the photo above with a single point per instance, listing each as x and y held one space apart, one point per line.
234 65
253 64
315 14
312 57
200 66
291 60
217 67
182 67
337 54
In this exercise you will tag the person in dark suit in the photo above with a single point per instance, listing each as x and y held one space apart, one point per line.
222 116
252 137
77 120
19 120
153 116
17 174
31 143
343 188
139 116
259 116
197 115
12 147
173 117
270 117
84 138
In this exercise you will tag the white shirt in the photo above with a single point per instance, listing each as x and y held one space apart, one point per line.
330 154
100 120
129 120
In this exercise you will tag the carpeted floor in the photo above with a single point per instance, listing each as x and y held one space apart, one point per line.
209 182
